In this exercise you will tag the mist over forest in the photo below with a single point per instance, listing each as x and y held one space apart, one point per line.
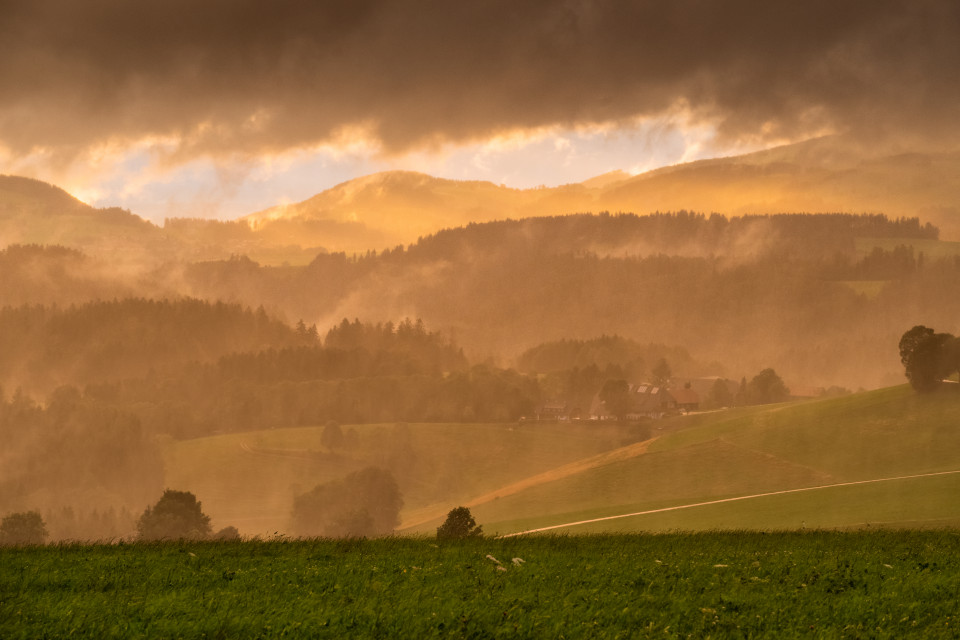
110 355
580 318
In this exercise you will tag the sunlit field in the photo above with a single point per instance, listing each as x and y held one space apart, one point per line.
889 433
516 478
248 480
784 585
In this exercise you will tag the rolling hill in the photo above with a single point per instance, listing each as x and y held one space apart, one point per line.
34 212
521 478
397 207
845 444
383 210
830 174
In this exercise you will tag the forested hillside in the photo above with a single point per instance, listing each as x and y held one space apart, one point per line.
45 347
508 316
812 295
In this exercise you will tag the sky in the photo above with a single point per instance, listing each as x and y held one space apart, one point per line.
218 108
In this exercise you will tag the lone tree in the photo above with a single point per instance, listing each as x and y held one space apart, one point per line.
26 527
459 525
927 357
177 515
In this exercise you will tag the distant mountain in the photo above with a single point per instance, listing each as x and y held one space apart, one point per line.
397 207
830 174
606 179
383 210
34 212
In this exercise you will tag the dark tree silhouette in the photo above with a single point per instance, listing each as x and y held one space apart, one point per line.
927 357
767 387
719 395
177 515
365 503
661 373
23 528
227 533
616 396
458 525
332 436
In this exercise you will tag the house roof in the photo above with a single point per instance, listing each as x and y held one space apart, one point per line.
685 396
646 404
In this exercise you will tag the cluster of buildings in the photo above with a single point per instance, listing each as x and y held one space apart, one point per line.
646 401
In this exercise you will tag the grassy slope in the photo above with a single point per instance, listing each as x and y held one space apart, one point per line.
700 458
253 488
886 433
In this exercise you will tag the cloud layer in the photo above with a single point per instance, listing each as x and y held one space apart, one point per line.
245 76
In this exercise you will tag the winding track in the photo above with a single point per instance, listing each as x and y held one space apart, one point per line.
433 512
736 499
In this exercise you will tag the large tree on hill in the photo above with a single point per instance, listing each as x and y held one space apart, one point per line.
928 357
177 515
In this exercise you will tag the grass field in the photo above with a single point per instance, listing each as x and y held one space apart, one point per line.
874 435
516 478
248 480
778 585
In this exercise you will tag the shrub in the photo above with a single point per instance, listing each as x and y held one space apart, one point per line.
459 524
23 528
365 503
227 533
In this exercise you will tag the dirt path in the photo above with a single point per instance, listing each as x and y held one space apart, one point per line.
433 512
738 498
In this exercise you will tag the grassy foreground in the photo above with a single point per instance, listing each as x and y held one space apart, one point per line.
800 584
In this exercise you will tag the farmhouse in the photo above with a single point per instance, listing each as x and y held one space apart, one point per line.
648 401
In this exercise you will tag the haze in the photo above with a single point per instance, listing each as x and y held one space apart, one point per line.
473 241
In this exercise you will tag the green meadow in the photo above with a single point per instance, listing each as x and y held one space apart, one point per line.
878 584
248 480
870 438
517 478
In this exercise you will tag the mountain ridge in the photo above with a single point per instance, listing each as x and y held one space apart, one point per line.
391 208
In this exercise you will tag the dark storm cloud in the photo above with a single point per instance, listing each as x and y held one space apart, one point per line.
251 76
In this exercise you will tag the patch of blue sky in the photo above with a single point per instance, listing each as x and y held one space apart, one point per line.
223 189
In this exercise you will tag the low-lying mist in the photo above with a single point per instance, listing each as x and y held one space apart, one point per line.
107 373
